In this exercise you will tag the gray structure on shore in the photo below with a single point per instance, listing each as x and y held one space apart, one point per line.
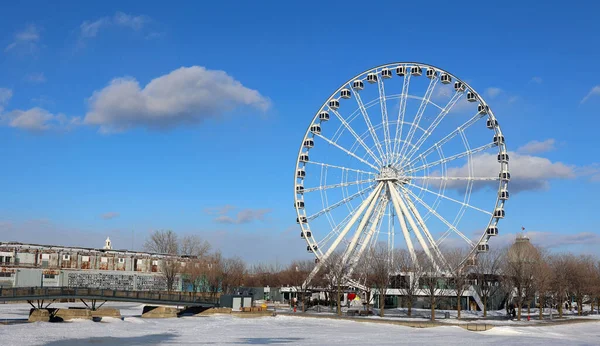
33 265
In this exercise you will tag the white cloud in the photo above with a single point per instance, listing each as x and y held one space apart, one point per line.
527 172
492 92
37 120
594 92
133 22
90 29
536 147
537 80
242 216
26 40
188 95
5 96
513 99
110 215
36 78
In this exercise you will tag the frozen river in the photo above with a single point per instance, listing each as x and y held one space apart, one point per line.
280 330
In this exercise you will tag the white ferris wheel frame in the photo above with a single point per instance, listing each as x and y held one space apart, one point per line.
402 199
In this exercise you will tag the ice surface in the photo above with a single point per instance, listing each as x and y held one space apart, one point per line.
280 330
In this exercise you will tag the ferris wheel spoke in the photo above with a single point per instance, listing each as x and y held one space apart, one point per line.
444 183
336 230
401 113
445 140
438 119
370 127
403 226
453 178
451 158
340 203
373 229
360 229
421 223
441 218
343 184
469 187
347 151
384 118
449 198
365 242
418 116
340 167
346 229
409 217
356 136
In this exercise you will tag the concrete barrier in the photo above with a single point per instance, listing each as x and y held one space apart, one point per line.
58 315
106 312
477 327
39 315
151 311
213 311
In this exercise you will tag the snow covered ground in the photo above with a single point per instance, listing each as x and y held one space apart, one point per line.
280 330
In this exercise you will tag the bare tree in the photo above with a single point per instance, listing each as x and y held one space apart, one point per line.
335 271
364 275
193 245
430 281
580 271
487 272
265 274
407 278
542 277
163 242
195 272
458 274
296 275
214 273
166 242
170 268
559 265
521 261
381 267
233 273
595 283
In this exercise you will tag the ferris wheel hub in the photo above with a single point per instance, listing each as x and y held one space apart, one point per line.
393 174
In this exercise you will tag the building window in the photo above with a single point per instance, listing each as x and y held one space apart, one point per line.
155 263
85 258
5 275
66 257
45 256
104 259
121 260
49 276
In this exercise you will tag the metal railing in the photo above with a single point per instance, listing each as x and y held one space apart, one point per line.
175 298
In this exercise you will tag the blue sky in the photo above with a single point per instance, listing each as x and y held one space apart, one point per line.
86 154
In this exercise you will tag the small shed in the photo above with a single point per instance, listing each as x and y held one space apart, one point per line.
236 301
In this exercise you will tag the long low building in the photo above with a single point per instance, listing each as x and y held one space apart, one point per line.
33 265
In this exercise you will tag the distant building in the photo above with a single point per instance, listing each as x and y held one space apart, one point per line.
33 265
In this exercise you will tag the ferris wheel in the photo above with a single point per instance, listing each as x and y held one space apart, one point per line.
404 154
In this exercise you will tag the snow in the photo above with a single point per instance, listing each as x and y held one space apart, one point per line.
282 329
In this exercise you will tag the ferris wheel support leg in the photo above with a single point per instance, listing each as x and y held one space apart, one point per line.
343 233
413 225
421 222
379 215
400 214
361 226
